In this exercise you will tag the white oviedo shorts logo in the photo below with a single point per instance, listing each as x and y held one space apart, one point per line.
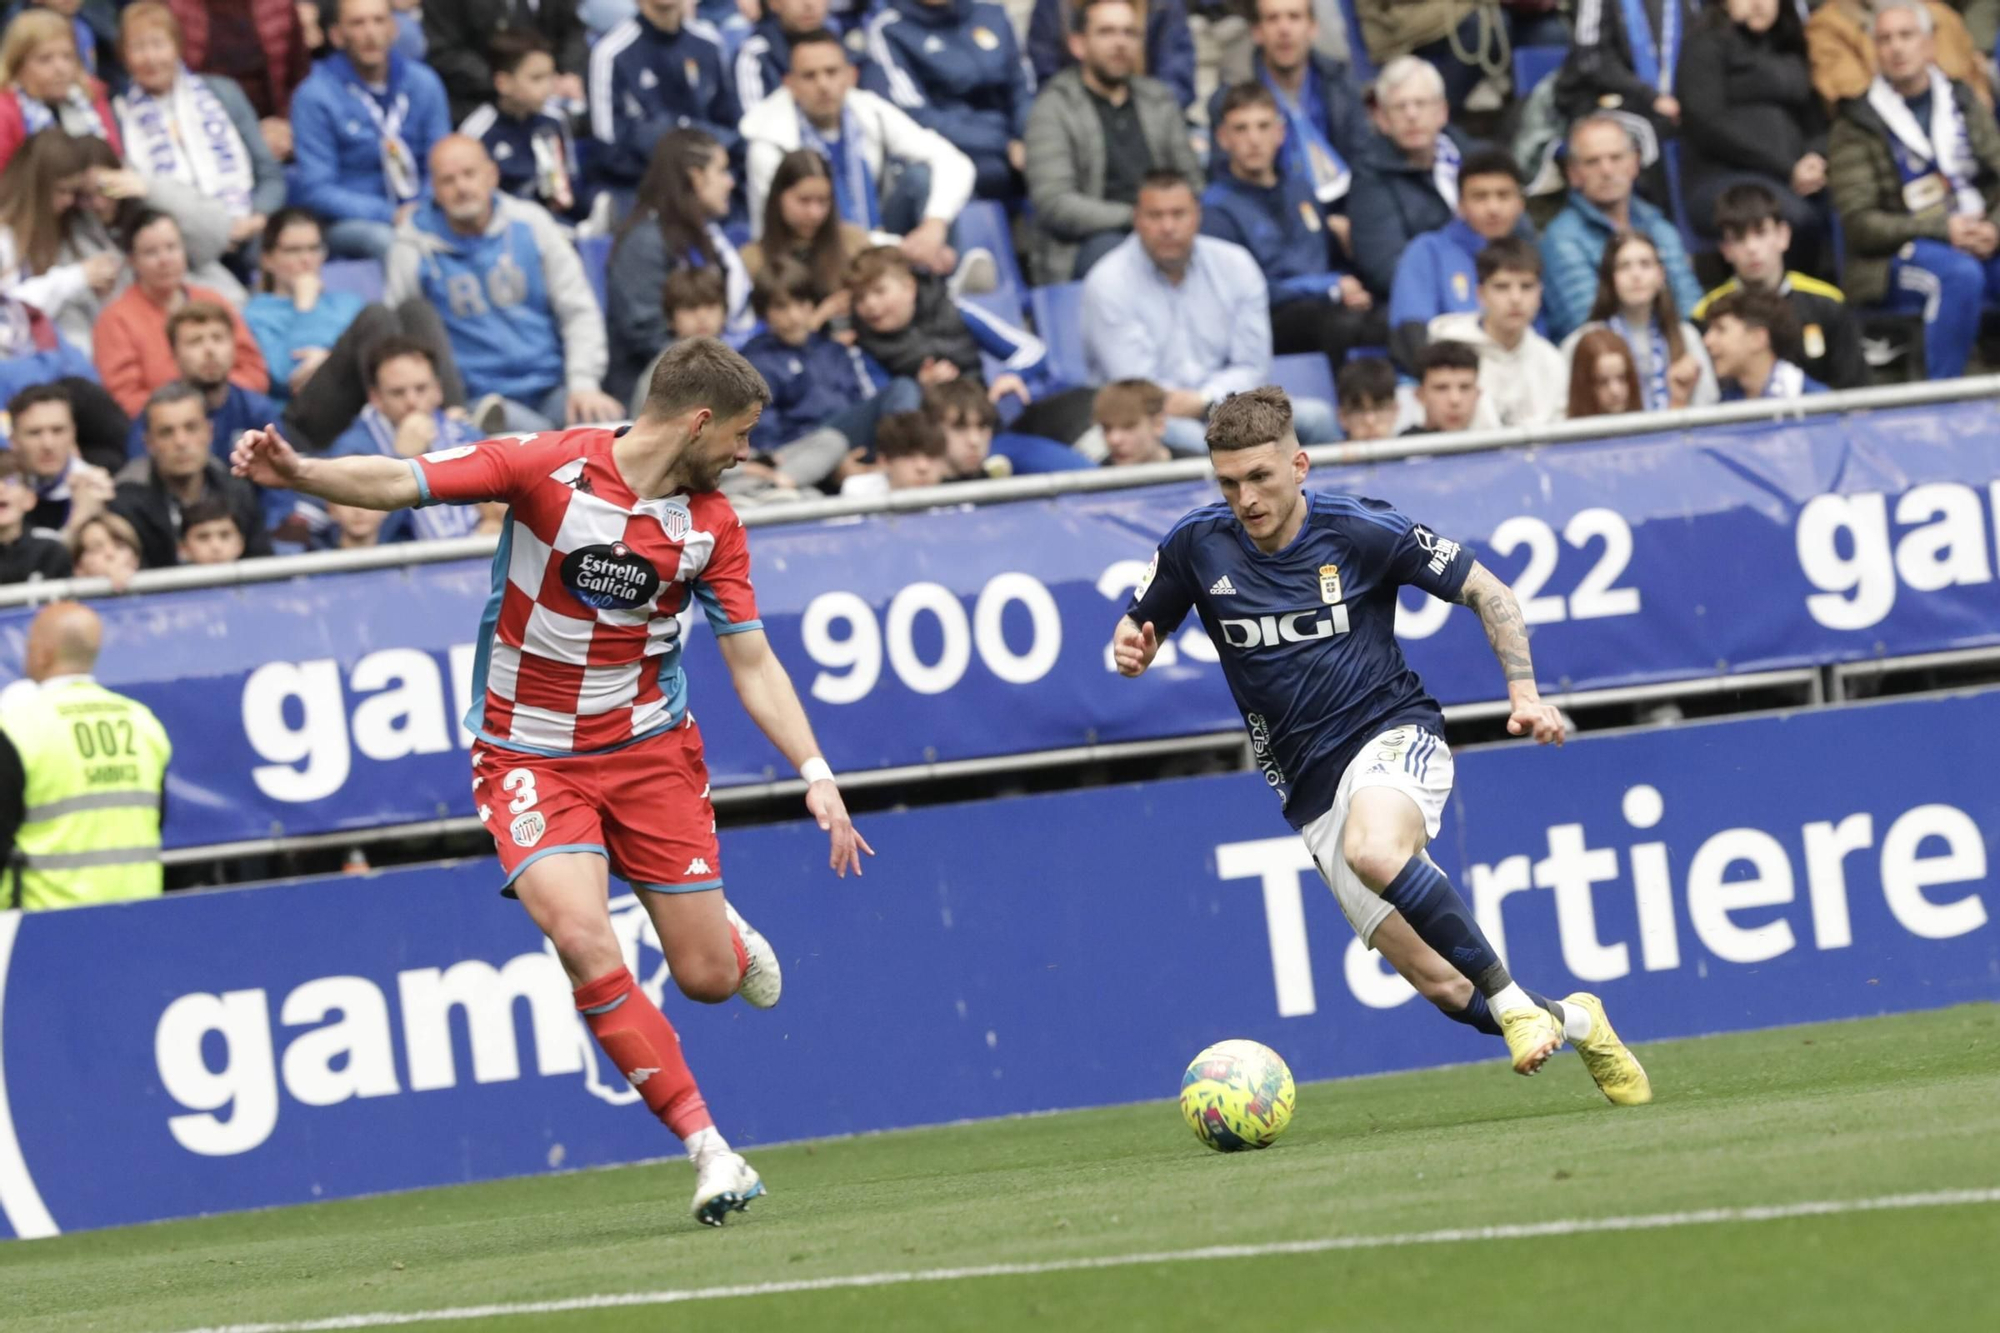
529 828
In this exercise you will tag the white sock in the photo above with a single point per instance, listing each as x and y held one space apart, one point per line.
1507 999
1576 1023
705 1143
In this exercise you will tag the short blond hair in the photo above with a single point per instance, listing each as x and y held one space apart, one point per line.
32 28
1250 419
703 372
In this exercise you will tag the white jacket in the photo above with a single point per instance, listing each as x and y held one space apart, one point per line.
1528 386
771 129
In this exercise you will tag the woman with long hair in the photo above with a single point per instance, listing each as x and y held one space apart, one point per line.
54 253
674 223
800 222
1636 302
198 129
1602 382
43 83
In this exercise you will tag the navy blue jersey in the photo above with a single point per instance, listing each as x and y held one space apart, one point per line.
1307 635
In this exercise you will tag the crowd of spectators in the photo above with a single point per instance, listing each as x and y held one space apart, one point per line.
394 226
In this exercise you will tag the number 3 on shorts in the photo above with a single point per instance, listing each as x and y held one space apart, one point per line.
521 781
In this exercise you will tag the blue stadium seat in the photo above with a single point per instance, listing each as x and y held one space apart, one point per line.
1670 156
1058 313
983 224
1303 375
356 277
1357 49
1532 64
596 253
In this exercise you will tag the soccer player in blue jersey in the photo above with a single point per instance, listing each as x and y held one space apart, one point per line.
1298 593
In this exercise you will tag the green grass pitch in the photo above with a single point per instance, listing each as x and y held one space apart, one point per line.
1849 1111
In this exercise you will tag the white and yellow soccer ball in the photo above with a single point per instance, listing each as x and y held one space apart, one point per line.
1236 1095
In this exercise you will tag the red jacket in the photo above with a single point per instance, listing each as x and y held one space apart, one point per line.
14 127
286 61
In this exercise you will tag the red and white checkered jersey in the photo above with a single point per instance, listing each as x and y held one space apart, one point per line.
593 590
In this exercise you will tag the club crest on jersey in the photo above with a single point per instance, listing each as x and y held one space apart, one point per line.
1329 584
675 522
610 577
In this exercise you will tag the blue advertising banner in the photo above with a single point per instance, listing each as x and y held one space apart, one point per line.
342 1036
333 702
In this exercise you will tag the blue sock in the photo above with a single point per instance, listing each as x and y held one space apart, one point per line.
1442 920
1476 1015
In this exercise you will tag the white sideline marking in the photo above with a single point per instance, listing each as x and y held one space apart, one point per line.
1327 1244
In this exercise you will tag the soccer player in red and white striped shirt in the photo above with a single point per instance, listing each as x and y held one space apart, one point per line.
587 762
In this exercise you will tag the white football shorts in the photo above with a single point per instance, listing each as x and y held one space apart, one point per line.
1409 759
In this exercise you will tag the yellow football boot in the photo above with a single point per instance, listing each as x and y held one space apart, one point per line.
1533 1035
1618 1073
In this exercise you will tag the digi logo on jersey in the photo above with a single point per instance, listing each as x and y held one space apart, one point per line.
1321 622
610 578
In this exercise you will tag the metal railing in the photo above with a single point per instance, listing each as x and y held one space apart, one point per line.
1046 485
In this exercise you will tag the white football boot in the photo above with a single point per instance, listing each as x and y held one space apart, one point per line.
763 981
723 1184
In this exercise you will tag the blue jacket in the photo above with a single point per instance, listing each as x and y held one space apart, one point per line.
1169 44
645 81
510 142
953 68
19 370
1282 228
1343 118
808 384
1573 246
766 55
1391 204
338 147
1026 454
282 330
1439 275
504 334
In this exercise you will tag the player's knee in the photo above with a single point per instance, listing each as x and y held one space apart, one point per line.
708 979
1374 859
585 944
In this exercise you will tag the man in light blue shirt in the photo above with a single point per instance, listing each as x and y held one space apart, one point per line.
1188 312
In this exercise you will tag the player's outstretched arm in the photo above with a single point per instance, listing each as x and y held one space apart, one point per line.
266 458
772 703
1498 611
1133 646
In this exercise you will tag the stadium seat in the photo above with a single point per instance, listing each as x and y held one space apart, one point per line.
983 224
1357 49
596 254
356 277
1670 156
1532 64
1058 312
1303 375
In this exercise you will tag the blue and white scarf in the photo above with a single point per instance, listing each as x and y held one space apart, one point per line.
75 113
741 320
1943 147
432 522
400 171
1654 61
1307 153
186 135
1444 170
854 192
1787 381
1651 359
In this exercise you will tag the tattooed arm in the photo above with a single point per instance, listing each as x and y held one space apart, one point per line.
1493 602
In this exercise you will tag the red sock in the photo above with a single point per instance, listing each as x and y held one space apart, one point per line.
742 954
644 1046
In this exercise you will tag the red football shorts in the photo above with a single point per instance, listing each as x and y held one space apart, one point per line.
645 808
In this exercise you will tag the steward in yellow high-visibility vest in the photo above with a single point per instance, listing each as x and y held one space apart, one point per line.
82 776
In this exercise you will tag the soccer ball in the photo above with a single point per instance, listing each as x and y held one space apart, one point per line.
1237 1095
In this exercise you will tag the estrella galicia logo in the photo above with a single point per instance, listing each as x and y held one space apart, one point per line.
610 578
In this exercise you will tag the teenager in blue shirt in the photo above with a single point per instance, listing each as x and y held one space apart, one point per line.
1748 334
651 74
1314 308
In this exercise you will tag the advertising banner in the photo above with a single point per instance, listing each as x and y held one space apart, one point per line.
334 702
343 1036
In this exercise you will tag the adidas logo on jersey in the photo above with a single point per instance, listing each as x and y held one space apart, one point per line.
1222 587
698 866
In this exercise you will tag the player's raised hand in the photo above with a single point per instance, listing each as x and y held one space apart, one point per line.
264 457
1543 721
1133 646
823 799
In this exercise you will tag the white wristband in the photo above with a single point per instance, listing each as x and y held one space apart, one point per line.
816 769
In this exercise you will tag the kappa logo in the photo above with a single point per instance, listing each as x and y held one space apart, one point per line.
485 813
1222 587
639 1076
698 866
528 829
